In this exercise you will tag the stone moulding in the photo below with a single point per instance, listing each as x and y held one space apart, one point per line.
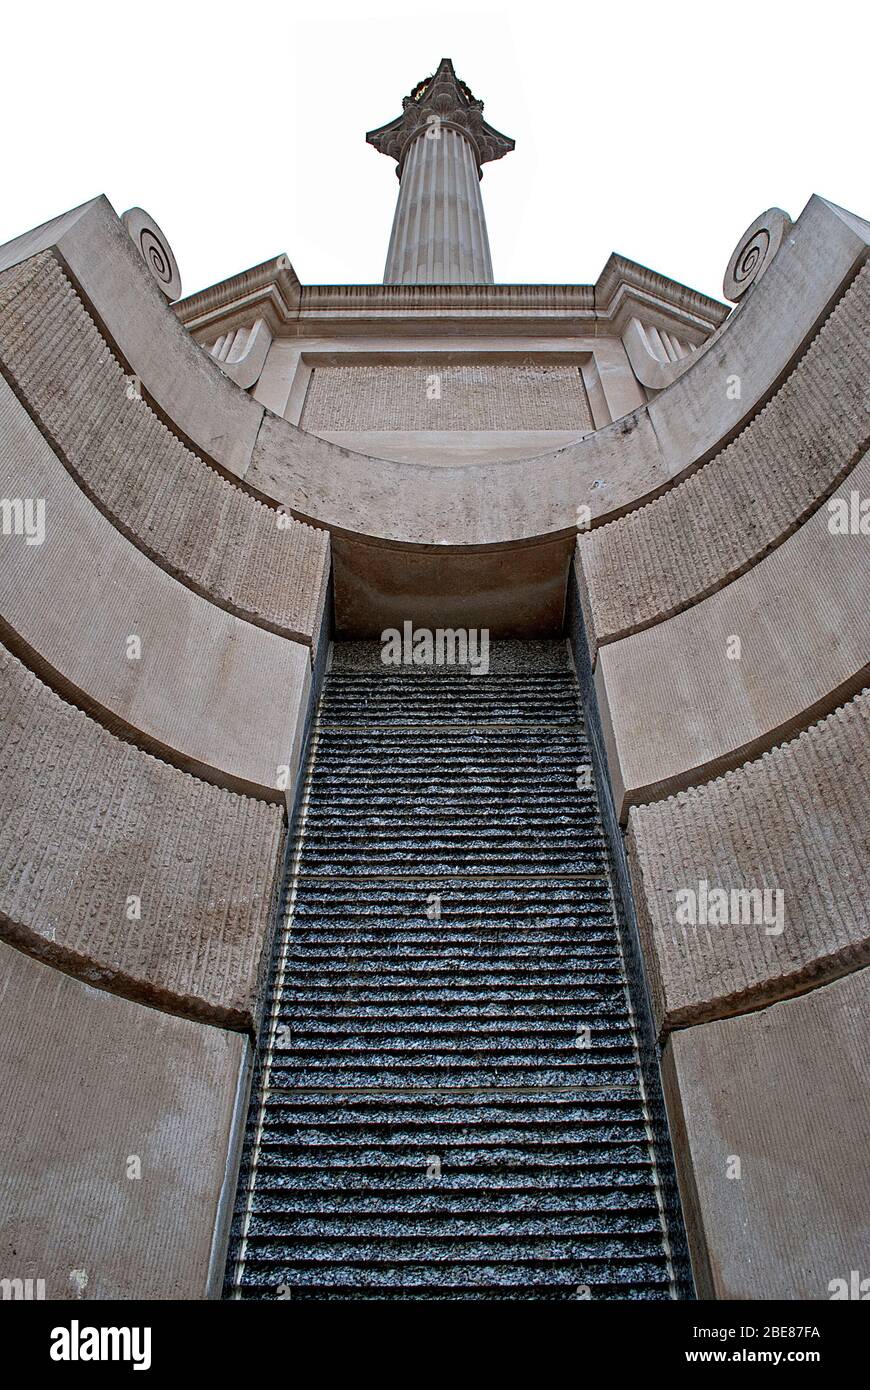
792 820
270 291
105 871
623 288
241 353
651 370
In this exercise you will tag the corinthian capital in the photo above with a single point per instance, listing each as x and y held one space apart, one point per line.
441 102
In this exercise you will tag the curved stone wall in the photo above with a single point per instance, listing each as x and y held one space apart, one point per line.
95 249
198 687
175 508
791 823
136 877
665 556
739 672
613 470
125 872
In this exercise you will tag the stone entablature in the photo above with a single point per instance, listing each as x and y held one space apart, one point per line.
310 325
623 290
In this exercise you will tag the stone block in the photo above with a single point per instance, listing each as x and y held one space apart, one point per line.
93 1090
791 823
126 872
784 1091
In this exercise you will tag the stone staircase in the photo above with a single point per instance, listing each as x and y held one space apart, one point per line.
449 1102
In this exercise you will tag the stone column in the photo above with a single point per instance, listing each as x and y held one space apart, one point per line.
440 142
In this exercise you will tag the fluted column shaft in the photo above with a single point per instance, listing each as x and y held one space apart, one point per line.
439 230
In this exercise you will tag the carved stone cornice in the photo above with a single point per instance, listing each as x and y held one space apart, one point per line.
270 291
623 290
446 102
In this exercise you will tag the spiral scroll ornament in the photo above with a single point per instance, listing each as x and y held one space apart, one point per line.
754 252
155 251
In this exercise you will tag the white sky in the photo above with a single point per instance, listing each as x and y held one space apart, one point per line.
659 130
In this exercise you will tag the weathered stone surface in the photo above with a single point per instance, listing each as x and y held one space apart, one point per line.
677 709
207 532
690 541
201 690
89 1083
95 832
785 1091
794 822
